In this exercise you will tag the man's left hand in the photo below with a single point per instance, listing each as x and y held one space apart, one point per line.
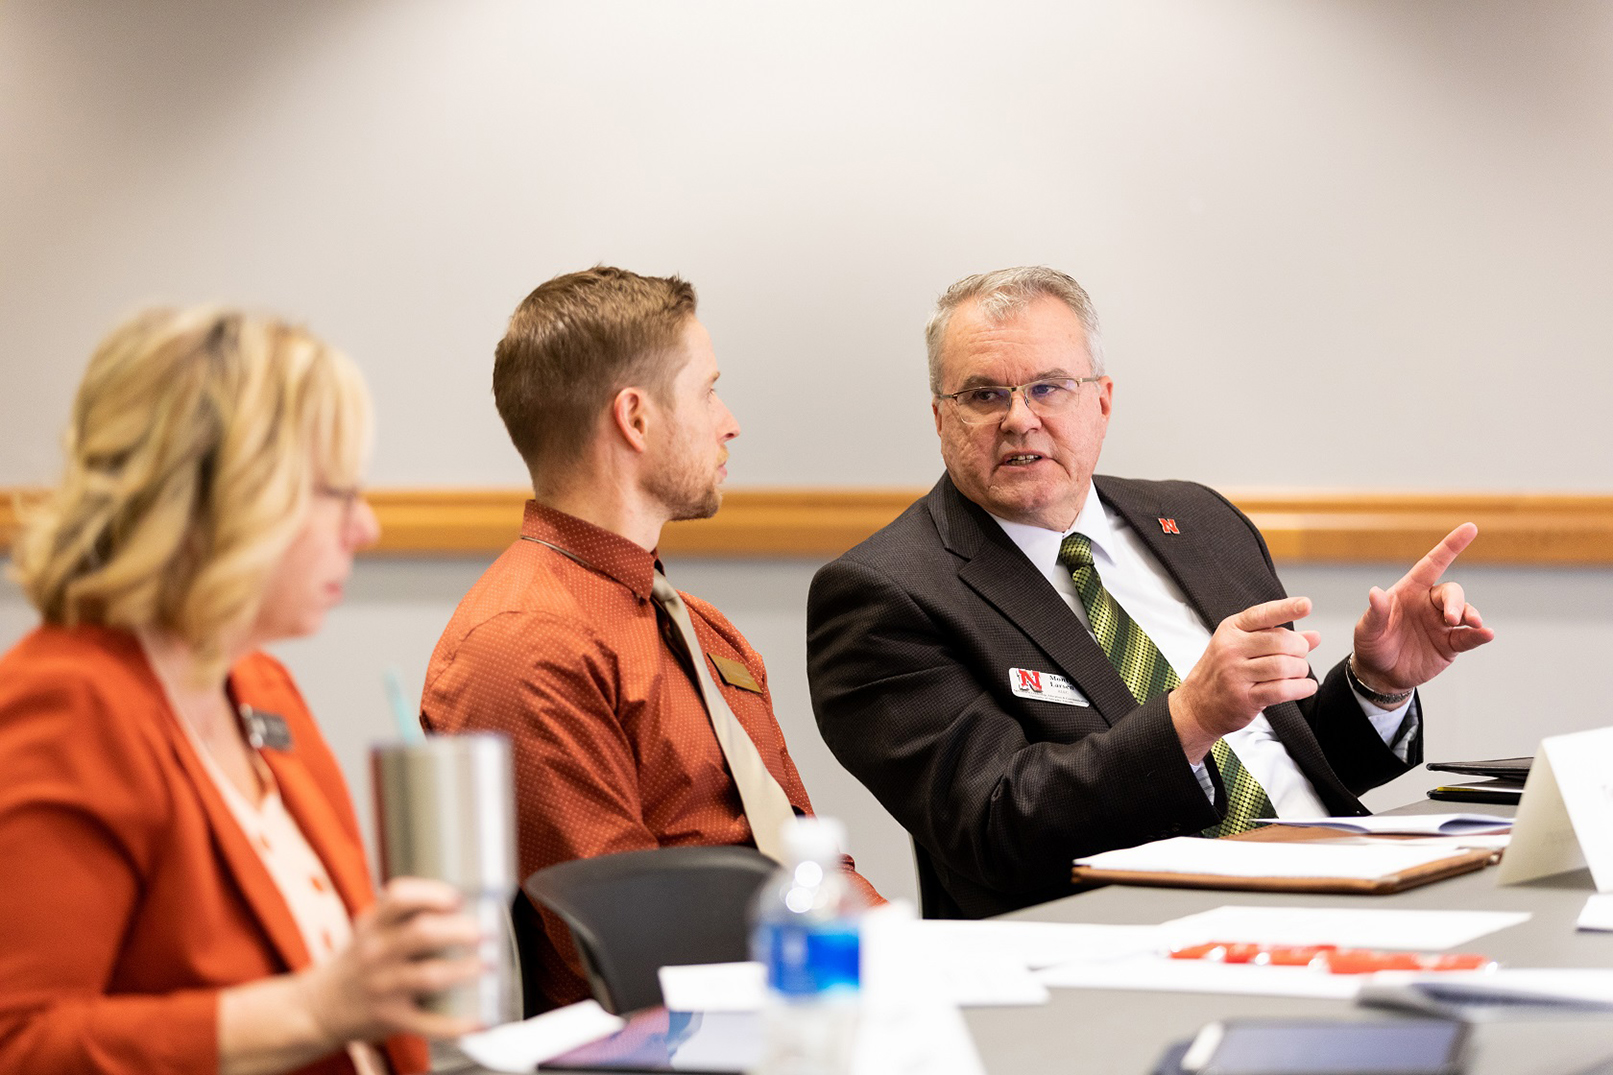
1414 630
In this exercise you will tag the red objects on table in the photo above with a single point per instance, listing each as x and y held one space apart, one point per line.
1330 957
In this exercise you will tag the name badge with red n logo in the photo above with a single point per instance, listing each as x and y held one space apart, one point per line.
1044 687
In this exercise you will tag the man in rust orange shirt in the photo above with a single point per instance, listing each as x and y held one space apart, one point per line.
573 643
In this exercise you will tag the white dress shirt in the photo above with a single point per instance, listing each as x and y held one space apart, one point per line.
1141 585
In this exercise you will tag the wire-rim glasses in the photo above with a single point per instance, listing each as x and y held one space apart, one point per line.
983 403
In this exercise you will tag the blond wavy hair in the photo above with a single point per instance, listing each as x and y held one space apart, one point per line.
196 440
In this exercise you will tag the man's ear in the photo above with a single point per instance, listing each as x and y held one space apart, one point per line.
630 418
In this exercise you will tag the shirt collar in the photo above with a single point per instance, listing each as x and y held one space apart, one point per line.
1041 546
606 552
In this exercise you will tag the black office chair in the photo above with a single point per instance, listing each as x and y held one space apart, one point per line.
633 913
934 901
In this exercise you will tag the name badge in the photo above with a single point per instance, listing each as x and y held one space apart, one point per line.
735 674
1044 687
265 730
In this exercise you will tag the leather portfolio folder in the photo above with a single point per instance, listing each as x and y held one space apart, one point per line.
1460 862
1502 768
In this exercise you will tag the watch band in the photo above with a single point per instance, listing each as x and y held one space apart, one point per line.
1377 698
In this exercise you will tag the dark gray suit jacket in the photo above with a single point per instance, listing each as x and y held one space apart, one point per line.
910 638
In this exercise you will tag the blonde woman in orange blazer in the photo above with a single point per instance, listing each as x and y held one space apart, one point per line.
184 886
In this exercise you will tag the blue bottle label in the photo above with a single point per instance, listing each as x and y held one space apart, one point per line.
807 960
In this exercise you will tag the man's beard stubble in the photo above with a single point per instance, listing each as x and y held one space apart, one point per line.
685 492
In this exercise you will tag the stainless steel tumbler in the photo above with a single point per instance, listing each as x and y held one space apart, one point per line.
445 809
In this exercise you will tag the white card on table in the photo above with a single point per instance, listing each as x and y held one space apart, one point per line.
1565 819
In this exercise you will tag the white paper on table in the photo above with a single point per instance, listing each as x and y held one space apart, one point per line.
1241 858
1347 927
717 1039
714 987
908 1021
1456 844
523 1046
1598 913
900 956
1565 818
1404 824
915 1034
1163 974
1037 944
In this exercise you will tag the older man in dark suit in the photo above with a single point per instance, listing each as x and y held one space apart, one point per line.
1034 663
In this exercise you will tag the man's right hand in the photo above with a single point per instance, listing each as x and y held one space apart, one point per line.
1252 662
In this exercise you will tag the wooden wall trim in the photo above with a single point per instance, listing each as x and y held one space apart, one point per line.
1301 525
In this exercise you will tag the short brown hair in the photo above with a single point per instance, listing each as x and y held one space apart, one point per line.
575 342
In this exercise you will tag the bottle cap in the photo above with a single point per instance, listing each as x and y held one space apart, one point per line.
814 839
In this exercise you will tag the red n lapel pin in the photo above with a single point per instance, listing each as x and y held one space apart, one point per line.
1168 526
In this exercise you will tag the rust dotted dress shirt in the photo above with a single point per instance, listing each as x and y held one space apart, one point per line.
613 748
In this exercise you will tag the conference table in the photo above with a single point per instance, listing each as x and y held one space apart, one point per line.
1115 1031
1125 1032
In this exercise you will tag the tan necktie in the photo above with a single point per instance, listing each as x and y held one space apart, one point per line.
766 806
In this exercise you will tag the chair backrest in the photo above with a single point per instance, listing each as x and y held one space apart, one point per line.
632 913
528 930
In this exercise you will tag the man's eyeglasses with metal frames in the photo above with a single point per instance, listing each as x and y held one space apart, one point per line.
992 402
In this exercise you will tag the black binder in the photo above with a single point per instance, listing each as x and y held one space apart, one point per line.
1516 769
1507 792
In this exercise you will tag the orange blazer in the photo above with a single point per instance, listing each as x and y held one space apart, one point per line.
128 894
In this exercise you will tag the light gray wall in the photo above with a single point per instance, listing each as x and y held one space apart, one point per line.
1342 243
1306 224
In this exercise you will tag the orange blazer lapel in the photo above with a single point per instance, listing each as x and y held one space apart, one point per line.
237 853
325 826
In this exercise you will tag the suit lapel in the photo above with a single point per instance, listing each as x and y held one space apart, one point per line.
997 571
1185 554
1189 557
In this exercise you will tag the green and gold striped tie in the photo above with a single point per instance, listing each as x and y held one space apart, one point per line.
1147 674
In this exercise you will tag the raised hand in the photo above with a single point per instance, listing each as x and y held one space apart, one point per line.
1252 662
1411 632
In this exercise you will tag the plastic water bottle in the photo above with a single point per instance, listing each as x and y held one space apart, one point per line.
807 936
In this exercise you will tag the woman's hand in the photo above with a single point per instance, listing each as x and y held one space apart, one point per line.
411 942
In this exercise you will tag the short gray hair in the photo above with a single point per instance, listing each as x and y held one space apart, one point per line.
1004 293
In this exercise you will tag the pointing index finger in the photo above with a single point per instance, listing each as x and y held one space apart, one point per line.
1272 614
1443 555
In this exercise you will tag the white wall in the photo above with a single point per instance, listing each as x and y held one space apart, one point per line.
1302 222
1342 243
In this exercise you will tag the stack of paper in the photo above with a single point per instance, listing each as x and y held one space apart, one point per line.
970 964
1239 858
523 1046
1199 976
1404 824
1346 927
1597 913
